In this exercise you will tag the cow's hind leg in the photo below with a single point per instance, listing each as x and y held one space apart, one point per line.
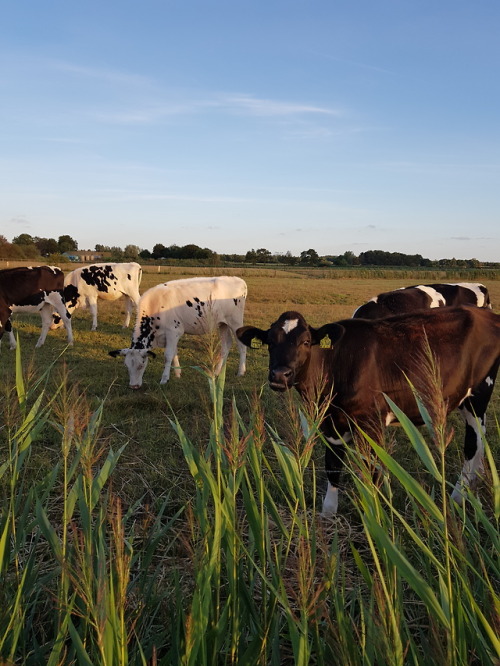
128 310
93 311
473 410
56 299
226 340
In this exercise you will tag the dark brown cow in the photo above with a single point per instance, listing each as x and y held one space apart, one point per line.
33 289
424 296
370 358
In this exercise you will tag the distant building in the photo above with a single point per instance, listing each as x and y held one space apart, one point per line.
86 255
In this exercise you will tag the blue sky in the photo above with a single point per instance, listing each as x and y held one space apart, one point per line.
332 125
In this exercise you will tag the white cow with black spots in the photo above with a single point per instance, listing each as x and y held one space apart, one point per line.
85 286
195 306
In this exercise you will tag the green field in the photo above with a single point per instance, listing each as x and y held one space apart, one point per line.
159 477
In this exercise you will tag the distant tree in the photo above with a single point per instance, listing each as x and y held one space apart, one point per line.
66 244
131 251
116 253
145 254
263 256
310 257
102 248
251 257
159 251
46 246
23 239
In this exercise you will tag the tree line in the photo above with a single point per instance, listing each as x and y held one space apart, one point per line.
26 246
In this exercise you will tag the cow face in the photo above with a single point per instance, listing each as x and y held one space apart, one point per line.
135 361
290 340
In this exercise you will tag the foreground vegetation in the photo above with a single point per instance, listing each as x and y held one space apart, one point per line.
245 572
178 524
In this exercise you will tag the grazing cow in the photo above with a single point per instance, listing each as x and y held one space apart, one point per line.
33 289
84 286
423 296
369 358
194 306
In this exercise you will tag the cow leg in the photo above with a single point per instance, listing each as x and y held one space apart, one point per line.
242 349
57 301
12 337
46 315
128 308
226 339
171 342
334 459
473 410
93 312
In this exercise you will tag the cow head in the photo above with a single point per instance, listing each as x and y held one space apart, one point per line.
290 341
135 361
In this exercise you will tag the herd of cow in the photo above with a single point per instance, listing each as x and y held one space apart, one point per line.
353 364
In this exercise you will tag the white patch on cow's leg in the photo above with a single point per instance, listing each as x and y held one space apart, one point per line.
331 499
290 324
12 340
489 381
474 465
330 502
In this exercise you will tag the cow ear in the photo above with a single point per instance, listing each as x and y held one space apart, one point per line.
326 336
252 336
151 354
116 352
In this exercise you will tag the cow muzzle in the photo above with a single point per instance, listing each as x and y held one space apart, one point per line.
135 387
281 379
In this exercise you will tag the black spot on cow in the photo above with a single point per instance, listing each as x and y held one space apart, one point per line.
235 300
99 277
146 335
128 275
189 304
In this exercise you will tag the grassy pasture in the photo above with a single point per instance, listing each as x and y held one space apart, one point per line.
166 429
140 418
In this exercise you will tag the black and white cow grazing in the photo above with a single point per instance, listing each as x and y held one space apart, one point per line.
423 296
29 290
369 358
194 306
84 286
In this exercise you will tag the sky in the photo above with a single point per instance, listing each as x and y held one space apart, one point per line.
327 124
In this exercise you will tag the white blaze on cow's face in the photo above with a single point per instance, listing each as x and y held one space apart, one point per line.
135 361
289 325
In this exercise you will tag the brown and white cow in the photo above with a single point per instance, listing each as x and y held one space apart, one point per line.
29 290
195 306
424 296
84 286
370 358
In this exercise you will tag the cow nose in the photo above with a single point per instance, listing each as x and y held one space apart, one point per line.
280 376
135 386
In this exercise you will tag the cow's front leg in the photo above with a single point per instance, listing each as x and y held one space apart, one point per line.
171 356
334 458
